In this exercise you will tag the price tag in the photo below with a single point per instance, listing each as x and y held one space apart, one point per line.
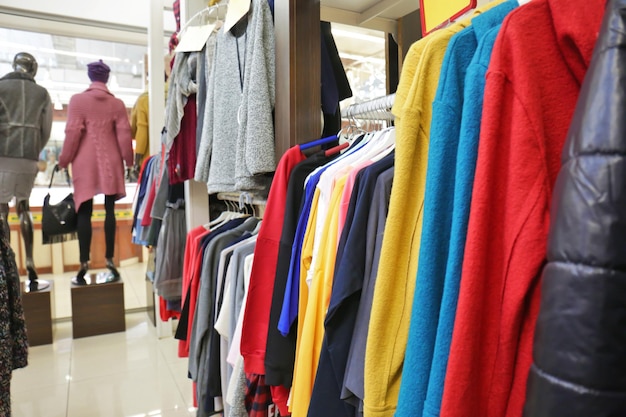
236 10
194 38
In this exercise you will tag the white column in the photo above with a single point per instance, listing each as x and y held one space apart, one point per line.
156 91
156 71
196 196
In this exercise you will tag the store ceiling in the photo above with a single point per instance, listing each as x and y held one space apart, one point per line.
373 14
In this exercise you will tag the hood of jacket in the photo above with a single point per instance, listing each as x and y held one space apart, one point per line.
576 26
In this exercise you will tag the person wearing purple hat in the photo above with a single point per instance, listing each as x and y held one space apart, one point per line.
97 144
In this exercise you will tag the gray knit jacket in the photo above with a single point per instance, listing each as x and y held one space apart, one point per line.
25 116
237 144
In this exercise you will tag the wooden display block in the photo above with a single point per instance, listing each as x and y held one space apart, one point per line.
98 309
38 313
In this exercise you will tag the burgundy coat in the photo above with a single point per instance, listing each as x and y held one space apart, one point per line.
97 141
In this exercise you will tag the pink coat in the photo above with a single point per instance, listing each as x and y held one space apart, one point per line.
97 141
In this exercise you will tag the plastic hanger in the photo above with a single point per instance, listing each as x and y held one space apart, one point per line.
318 142
336 149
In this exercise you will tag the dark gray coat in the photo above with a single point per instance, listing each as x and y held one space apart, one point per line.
25 116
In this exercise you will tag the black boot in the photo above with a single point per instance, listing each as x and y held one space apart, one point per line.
79 279
114 274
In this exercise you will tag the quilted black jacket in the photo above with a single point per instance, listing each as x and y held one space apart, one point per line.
579 354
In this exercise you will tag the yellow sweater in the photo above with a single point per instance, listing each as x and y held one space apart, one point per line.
305 262
312 335
140 126
395 284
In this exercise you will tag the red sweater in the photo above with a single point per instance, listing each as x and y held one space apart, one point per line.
192 262
538 64
259 300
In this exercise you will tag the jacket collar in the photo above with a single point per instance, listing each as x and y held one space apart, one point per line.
99 86
16 75
576 26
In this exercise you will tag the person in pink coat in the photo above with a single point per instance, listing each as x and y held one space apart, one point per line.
97 144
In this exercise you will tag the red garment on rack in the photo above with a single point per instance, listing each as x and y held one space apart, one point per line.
261 288
181 163
146 220
192 262
164 313
538 64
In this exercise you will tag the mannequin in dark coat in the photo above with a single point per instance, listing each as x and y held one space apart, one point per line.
579 353
25 125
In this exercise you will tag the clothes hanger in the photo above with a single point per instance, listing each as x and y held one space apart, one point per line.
318 142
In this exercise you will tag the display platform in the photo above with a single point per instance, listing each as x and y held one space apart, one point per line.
97 308
38 307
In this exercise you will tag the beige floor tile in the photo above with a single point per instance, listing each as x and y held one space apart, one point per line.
50 401
126 374
132 393
46 366
184 384
116 352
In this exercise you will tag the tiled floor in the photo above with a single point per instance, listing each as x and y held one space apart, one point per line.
126 374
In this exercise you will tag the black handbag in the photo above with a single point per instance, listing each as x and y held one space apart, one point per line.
58 221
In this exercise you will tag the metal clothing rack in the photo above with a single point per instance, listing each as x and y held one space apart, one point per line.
376 109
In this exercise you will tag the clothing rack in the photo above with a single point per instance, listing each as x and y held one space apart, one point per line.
376 109
243 199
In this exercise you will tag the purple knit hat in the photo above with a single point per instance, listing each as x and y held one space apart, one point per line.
98 71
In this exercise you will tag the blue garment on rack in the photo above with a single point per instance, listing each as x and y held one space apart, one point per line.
425 361
289 312
141 195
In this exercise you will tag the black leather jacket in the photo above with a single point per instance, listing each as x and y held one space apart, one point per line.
579 354
25 116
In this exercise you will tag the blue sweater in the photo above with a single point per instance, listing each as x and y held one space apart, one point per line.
451 162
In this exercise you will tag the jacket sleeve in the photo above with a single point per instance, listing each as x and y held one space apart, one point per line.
203 159
260 149
74 130
122 130
46 122
579 364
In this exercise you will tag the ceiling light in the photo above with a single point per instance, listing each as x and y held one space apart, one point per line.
20 46
357 35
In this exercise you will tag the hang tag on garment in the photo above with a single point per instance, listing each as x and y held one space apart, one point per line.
194 38
236 10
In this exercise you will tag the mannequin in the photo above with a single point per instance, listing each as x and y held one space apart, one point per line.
26 114
97 144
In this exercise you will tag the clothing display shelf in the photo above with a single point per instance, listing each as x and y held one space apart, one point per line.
376 109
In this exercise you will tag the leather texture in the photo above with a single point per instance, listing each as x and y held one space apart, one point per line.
579 353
